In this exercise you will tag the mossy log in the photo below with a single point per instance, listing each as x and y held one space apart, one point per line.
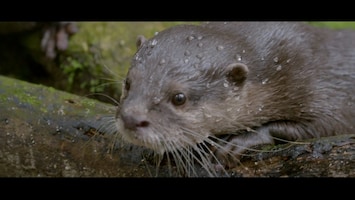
49 133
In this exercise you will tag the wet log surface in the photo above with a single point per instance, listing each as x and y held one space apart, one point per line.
49 133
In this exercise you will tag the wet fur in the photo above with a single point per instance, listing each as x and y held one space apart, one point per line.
298 84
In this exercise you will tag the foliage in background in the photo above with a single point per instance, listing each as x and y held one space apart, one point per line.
105 50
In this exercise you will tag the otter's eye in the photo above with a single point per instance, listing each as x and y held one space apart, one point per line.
127 84
178 99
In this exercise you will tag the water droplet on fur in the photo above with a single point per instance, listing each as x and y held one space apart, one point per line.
187 53
262 58
225 84
156 100
190 37
288 60
150 79
261 108
220 47
199 56
162 61
186 60
238 57
153 43
243 51
218 119
200 44
207 115
208 85
200 37
276 59
278 68
264 81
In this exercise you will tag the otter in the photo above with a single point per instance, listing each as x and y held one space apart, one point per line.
222 88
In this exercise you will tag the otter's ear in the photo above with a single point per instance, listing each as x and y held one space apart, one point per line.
237 72
140 41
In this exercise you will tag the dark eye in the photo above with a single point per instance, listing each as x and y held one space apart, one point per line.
127 84
178 99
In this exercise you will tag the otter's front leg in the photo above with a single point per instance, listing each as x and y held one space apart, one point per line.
229 151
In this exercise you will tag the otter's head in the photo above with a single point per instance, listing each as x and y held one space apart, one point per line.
178 88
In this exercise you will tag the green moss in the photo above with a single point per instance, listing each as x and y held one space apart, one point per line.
334 24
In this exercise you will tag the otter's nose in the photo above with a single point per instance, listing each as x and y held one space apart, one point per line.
133 122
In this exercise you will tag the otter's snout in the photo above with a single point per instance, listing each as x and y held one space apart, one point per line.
132 121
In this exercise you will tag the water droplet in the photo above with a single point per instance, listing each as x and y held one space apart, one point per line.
58 129
243 51
200 44
156 100
162 61
200 37
279 68
264 81
208 85
238 57
150 79
261 108
199 56
186 60
276 59
218 119
190 37
288 60
226 84
187 53
207 115
220 47
262 58
153 43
